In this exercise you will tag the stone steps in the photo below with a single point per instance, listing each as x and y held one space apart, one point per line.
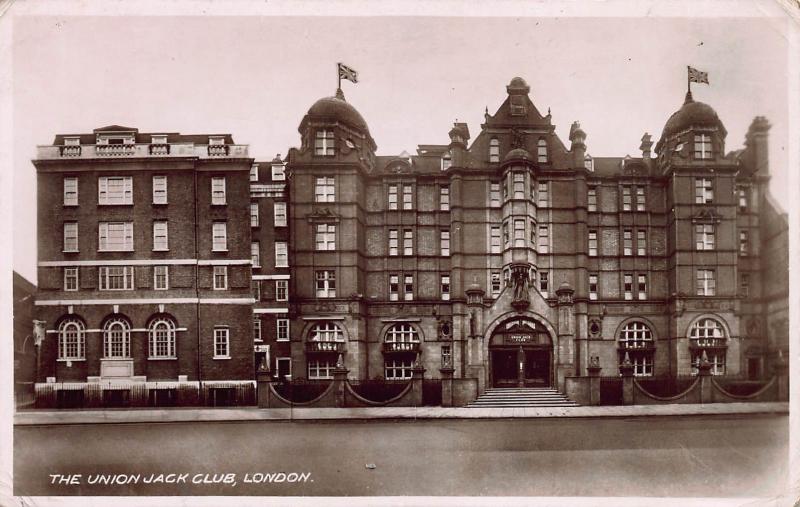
522 397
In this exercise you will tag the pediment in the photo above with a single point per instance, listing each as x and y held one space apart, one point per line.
323 215
707 216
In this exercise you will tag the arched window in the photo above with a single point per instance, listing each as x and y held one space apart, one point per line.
636 340
71 339
447 161
402 333
707 335
327 332
162 338
588 162
117 339
541 151
494 150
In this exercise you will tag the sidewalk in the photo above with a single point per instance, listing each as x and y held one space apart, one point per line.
51 417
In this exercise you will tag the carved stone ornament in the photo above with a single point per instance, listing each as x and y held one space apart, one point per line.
517 138
595 328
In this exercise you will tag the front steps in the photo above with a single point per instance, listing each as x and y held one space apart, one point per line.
522 397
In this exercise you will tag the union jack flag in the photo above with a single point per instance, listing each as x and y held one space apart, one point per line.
346 72
696 76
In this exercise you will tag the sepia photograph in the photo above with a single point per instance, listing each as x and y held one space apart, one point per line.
360 253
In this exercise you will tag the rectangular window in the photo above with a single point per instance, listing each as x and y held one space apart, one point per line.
70 236
626 198
640 199
444 198
254 219
494 150
591 199
496 286
219 239
703 191
220 277
744 201
256 286
408 287
444 243
394 287
218 196
544 282
519 233
321 369
641 242
627 242
408 242
544 239
283 366
593 287
706 283
398 369
254 172
326 284
543 199
325 189
279 209
282 330
116 277
744 243
518 106
324 144
519 186
161 277
494 195
407 197
257 329
494 240
704 236
281 290
222 343
393 242
116 236
392 196
160 235
541 151
159 190
744 284
593 244
533 233
70 191
628 289
255 254
641 286
702 146
281 255
115 190
326 237
278 172
71 279
447 356
506 234
445 287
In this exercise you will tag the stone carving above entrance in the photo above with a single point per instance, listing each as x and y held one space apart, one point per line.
520 281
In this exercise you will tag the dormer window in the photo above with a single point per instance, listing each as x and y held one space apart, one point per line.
702 147
254 172
72 141
324 143
447 161
517 105
588 163
158 139
278 172
216 141
541 151
494 150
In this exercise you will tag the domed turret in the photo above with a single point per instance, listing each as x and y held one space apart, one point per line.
518 154
691 114
336 108
518 86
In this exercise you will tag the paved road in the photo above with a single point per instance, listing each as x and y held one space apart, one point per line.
646 456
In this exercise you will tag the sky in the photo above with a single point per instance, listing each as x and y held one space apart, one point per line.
256 76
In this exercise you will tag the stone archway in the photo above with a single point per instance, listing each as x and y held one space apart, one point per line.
520 353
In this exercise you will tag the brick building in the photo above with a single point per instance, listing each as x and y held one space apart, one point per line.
514 259
144 260
517 259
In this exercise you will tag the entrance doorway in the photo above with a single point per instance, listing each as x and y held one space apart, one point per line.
521 355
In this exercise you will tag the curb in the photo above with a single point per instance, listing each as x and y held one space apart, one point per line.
127 416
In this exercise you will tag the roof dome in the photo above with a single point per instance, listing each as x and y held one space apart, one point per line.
336 107
518 86
691 114
518 154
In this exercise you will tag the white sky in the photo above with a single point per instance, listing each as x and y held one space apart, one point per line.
256 76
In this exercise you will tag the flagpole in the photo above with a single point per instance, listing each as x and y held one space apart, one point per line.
339 74
688 81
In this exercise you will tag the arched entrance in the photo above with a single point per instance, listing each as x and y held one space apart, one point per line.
521 354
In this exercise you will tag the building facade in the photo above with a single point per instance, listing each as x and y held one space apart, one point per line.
513 258
144 261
